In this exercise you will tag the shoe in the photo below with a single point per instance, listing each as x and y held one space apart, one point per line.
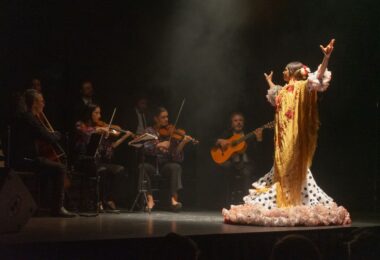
176 207
101 208
111 207
63 213
149 209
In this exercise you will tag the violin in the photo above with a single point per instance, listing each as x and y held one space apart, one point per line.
101 123
120 130
176 134
115 129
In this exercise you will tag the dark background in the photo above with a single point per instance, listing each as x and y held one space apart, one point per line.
214 54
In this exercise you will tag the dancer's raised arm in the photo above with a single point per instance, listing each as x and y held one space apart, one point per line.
327 53
268 78
273 88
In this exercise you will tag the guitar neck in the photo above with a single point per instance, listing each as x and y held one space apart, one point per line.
252 133
246 137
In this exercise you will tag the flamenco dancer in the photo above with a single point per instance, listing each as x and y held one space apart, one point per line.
288 195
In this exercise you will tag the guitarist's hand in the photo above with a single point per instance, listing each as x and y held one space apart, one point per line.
259 134
223 143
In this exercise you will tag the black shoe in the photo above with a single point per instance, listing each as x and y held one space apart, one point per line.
176 207
114 211
111 208
63 213
147 209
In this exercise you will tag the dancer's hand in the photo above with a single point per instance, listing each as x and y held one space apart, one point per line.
328 49
269 79
327 52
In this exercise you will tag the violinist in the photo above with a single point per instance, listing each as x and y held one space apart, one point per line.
26 131
109 172
164 155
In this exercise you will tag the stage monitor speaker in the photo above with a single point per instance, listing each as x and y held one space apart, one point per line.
16 203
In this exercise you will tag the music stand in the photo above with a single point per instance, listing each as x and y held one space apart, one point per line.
139 143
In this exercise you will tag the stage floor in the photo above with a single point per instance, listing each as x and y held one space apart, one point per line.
108 226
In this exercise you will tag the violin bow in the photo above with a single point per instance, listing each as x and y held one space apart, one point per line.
176 120
102 136
45 122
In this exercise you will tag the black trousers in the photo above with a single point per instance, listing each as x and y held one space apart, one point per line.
48 169
171 170
109 176
241 171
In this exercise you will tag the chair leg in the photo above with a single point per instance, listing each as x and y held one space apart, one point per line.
38 190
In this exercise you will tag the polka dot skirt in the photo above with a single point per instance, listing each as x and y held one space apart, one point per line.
264 192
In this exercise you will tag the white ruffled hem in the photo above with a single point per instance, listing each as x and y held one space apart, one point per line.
261 207
256 214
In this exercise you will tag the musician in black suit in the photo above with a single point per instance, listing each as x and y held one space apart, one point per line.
26 131
86 98
241 165
138 118
134 119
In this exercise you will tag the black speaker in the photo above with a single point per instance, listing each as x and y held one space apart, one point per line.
16 203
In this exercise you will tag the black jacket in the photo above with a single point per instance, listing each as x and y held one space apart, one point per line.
25 130
129 119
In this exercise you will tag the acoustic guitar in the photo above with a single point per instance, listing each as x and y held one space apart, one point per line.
236 145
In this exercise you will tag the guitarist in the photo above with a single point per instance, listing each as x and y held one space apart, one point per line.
239 164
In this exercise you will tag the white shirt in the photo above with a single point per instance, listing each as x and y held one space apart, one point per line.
87 101
141 122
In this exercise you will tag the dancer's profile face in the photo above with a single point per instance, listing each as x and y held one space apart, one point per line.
286 75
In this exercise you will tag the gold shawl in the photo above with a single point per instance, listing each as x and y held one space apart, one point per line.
295 140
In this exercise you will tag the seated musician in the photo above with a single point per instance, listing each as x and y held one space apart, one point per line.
242 163
163 156
109 172
26 132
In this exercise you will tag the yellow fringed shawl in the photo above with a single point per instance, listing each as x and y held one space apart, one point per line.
295 140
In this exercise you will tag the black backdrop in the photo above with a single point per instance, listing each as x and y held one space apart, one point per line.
213 53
